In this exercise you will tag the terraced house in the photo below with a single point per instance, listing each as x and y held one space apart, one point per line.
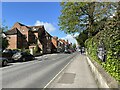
29 37
58 45
55 44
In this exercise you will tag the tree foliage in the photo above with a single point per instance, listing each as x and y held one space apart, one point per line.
3 40
79 16
74 46
82 37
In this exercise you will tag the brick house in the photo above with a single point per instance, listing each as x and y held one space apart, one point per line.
16 39
58 45
54 44
39 36
33 36
62 44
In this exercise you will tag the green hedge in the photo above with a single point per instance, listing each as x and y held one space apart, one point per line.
24 50
110 37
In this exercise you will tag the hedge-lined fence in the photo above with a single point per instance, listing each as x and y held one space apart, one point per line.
110 37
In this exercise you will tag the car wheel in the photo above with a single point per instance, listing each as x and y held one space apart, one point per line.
4 63
33 58
23 59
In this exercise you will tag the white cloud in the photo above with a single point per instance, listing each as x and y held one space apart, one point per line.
48 26
70 38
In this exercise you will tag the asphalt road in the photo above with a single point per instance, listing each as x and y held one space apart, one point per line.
34 74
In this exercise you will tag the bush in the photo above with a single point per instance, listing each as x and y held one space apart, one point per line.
24 50
27 50
17 49
37 49
110 36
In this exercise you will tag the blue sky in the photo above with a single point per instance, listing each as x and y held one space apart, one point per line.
34 13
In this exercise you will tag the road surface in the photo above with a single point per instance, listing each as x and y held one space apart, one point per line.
34 74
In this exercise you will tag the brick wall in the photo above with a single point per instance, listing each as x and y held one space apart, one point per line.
55 42
12 41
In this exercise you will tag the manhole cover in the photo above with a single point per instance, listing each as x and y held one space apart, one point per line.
67 78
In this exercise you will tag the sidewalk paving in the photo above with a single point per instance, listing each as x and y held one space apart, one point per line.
76 75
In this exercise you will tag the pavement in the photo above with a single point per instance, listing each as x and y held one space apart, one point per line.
76 75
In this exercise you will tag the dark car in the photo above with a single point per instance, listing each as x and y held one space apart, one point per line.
22 56
3 61
67 51
8 54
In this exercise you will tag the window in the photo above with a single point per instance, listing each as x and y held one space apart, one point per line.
47 37
24 36
19 35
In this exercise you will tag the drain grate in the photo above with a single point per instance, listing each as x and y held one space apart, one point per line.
67 78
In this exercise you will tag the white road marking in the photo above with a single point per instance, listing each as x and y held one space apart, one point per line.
57 74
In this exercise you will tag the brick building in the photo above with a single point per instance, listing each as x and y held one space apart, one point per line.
62 44
16 39
54 44
28 37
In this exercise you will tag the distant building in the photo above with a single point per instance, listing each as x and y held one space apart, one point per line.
62 45
54 44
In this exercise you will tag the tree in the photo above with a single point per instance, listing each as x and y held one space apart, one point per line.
74 46
80 16
118 15
82 37
3 40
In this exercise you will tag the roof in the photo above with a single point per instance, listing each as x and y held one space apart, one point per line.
20 24
62 40
35 28
41 26
55 37
48 33
30 28
12 31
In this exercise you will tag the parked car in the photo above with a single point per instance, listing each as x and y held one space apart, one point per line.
22 56
3 61
8 53
67 51
15 51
